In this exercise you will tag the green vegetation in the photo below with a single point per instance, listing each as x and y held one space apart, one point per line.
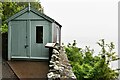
7 9
88 67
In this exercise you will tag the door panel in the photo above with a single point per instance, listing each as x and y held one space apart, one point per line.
38 49
18 35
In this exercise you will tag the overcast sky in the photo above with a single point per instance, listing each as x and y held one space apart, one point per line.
85 21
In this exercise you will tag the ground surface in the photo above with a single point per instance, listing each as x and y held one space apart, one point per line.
7 73
29 69
25 70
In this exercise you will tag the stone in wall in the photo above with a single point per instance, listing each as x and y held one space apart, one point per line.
59 66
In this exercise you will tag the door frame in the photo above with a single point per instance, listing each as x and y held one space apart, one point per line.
29 39
10 56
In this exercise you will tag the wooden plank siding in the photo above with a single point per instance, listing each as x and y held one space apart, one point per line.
22 34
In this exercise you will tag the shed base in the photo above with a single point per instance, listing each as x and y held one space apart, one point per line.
30 58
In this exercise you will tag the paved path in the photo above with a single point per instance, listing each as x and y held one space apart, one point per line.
0 56
0 67
7 73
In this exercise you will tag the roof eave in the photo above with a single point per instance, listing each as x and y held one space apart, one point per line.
17 14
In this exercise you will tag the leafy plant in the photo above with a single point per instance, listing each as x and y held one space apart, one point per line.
89 67
7 9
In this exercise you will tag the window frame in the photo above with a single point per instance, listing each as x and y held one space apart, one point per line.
37 33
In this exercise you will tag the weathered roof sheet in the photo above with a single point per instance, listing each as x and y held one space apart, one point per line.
34 11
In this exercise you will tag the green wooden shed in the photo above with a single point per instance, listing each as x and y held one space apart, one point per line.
28 32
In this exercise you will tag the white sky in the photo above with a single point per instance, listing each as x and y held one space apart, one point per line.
85 21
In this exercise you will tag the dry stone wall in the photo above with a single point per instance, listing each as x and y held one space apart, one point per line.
59 66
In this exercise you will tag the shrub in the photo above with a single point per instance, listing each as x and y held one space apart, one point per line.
86 66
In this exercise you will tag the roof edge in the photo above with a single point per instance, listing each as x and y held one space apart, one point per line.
17 14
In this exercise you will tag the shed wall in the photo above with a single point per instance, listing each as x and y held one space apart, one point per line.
22 36
29 15
56 31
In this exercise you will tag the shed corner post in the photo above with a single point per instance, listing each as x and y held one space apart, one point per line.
52 32
60 37
9 41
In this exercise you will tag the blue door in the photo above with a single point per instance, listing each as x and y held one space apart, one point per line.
19 47
28 39
39 38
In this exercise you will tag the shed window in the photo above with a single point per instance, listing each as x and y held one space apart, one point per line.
39 34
